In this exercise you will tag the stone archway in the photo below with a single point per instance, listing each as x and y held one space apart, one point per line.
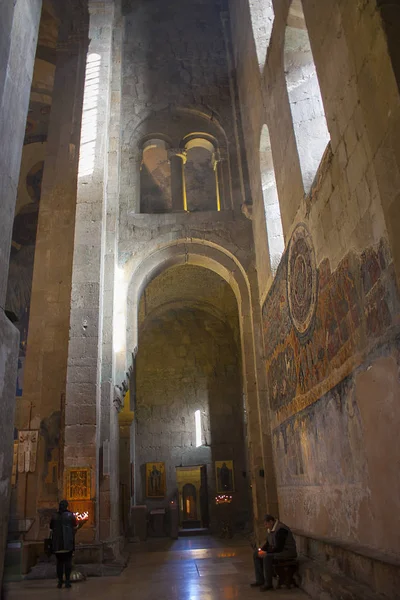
218 259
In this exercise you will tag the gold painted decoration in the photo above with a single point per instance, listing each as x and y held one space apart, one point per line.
27 450
78 483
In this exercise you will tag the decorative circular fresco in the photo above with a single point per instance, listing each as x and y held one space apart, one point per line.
302 280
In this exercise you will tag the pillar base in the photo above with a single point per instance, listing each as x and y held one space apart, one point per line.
91 560
9 340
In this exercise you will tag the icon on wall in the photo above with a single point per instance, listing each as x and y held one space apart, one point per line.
27 450
155 480
78 483
224 476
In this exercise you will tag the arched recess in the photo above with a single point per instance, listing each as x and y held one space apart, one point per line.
262 20
155 177
178 125
309 122
222 262
276 242
201 175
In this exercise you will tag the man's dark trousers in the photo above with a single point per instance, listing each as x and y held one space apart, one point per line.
263 566
64 563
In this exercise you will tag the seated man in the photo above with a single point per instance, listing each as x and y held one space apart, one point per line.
280 545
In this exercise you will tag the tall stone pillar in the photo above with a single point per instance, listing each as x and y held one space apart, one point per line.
41 407
19 25
87 451
177 159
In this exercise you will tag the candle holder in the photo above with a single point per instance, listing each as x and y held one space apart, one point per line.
81 518
223 499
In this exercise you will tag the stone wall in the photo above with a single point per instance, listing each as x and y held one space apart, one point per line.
188 360
326 382
333 399
176 77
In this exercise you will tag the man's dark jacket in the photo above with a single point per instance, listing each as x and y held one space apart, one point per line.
281 541
63 526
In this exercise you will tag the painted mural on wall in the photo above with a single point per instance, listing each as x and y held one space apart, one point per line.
315 339
21 264
302 281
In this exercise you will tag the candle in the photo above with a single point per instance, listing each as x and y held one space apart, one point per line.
82 516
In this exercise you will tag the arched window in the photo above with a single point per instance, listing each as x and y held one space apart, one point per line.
276 242
201 177
305 99
262 18
155 178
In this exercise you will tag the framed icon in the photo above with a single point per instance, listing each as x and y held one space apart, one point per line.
224 476
155 480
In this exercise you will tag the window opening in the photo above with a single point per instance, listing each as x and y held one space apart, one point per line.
305 98
276 243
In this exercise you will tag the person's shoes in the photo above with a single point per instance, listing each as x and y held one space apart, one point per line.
265 588
257 584
59 585
68 584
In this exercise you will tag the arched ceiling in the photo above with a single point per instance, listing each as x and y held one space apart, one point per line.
189 286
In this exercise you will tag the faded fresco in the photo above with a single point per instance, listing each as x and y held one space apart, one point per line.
333 392
355 306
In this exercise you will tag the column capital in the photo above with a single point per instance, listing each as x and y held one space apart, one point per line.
181 152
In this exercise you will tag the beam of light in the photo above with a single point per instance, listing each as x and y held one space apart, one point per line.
197 419
89 116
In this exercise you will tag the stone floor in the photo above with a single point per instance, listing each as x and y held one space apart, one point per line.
198 568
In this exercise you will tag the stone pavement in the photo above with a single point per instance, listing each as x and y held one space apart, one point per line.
199 568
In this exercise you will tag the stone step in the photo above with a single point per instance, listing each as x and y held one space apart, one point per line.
192 532
322 584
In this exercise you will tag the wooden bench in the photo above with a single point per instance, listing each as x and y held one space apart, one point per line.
285 570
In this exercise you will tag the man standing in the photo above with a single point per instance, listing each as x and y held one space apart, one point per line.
63 526
280 544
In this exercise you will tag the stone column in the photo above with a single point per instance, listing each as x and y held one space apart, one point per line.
19 25
41 406
177 159
216 163
87 393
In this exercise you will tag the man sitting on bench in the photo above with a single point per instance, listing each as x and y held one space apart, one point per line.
280 545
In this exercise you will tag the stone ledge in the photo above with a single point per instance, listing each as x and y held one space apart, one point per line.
364 551
322 584
185 218
93 560
358 565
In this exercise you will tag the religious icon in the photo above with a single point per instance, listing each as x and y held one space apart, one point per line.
155 480
27 450
78 483
224 476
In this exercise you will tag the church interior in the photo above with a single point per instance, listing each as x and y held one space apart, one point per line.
199 292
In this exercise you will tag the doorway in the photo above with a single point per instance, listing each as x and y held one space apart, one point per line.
193 497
